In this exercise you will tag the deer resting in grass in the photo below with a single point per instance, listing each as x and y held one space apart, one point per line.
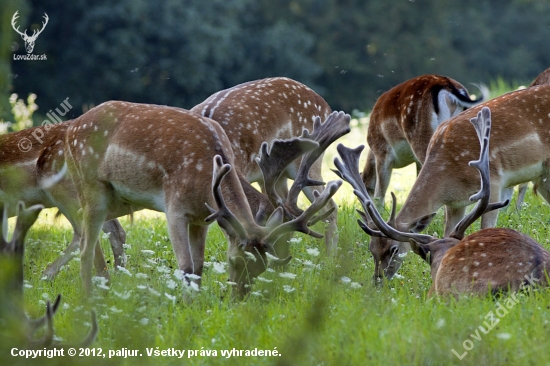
492 259
12 314
266 110
519 153
125 157
402 122
23 173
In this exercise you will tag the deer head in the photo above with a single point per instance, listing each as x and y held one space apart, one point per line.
29 40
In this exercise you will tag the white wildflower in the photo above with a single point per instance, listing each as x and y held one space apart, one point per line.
105 235
355 285
313 251
114 309
179 274
144 321
171 284
153 291
219 267
288 288
141 287
504 336
123 296
171 297
294 240
141 275
163 269
126 246
192 276
271 257
256 293
440 323
148 252
250 256
288 275
345 279
261 279
124 270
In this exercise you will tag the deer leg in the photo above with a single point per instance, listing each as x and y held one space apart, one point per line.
185 250
331 230
490 218
522 189
117 237
369 173
53 269
453 215
383 176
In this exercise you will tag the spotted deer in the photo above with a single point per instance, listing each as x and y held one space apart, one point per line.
402 122
25 169
542 79
519 153
124 157
266 110
12 314
492 259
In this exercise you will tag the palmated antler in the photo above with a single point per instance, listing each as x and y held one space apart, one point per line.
348 169
13 251
482 125
335 126
302 222
274 161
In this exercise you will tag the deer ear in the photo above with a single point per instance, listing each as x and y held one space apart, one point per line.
421 223
423 250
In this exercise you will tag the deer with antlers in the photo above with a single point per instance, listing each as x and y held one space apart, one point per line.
125 156
29 40
11 289
519 152
492 259
35 175
266 110
402 122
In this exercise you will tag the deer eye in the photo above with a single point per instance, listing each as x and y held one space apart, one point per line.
394 250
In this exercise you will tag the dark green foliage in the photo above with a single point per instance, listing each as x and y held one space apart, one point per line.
179 52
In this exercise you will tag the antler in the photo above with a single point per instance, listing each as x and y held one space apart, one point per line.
274 161
223 215
482 125
302 222
348 169
335 126
13 19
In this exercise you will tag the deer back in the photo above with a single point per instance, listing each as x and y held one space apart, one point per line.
405 117
262 110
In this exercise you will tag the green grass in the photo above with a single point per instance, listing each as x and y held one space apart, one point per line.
329 314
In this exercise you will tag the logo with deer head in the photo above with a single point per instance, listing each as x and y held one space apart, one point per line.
29 40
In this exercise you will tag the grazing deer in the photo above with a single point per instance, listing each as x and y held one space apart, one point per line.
25 166
492 259
402 122
519 153
125 157
11 288
266 110
542 79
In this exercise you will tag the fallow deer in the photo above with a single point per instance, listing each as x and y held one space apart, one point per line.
542 79
125 156
402 122
519 153
492 259
266 110
12 314
25 165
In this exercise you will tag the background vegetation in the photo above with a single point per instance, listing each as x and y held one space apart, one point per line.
177 52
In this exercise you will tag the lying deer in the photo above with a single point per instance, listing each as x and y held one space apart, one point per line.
519 152
266 110
11 299
125 157
492 259
23 172
402 122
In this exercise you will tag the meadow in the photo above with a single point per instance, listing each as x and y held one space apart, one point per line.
317 310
